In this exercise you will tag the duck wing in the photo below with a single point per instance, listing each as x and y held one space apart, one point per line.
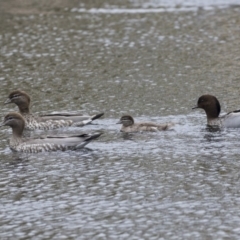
231 119
78 118
54 143
149 126
65 113
83 135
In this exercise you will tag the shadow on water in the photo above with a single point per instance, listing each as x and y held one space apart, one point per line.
213 133
16 161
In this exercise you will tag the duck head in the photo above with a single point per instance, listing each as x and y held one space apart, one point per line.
21 99
126 120
210 104
15 121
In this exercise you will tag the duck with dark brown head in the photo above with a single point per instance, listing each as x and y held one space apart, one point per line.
212 108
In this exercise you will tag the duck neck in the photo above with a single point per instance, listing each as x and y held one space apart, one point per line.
18 131
128 124
211 115
24 108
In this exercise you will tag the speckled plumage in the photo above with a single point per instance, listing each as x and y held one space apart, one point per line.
43 144
49 121
33 123
129 126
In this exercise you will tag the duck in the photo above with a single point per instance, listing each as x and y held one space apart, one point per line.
129 126
49 121
212 108
45 143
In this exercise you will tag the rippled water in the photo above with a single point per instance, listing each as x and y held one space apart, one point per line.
144 58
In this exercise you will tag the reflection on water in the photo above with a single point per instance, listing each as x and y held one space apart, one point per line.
179 184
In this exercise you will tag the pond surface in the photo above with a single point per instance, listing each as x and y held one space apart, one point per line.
151 60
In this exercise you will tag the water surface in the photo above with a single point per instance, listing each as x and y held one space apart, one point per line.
152 61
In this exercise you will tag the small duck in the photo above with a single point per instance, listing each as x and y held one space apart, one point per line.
43 144
129 126
50 121
212 108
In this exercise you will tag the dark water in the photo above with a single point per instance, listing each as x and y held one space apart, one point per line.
149 59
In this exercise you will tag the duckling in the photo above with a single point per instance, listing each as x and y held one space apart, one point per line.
128 125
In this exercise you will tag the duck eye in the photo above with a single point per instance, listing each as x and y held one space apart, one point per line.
15 96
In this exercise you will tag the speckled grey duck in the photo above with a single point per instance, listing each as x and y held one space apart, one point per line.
50 121
43 144
128 125
212 109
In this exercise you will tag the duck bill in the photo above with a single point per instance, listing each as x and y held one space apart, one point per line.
8 101
119 122
195 107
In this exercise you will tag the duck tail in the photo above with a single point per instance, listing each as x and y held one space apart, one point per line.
93 136
97 116
88 140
